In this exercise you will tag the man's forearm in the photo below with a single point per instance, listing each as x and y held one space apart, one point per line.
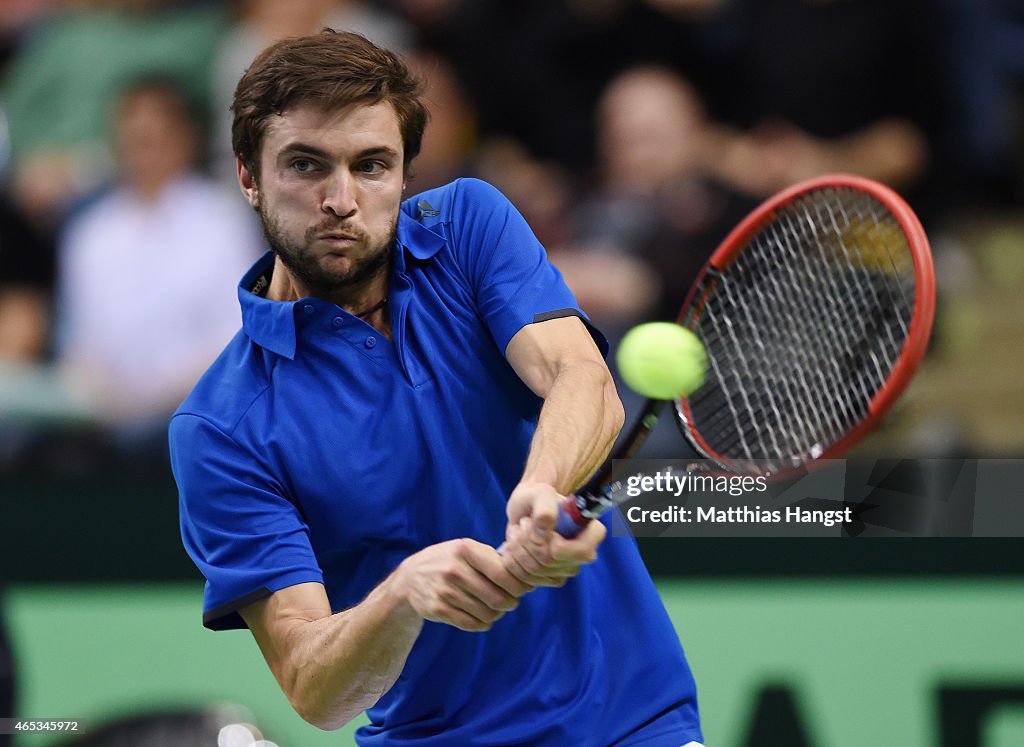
340 665
578 424
333 666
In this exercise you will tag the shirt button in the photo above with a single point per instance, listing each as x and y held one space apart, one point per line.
337 321
308 308
371 342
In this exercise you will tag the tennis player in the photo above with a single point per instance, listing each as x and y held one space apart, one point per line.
413 385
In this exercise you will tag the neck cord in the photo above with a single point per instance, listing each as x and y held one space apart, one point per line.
379 305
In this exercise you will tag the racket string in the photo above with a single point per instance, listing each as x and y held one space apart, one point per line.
881 320
903 302
840 333
801 276
810 318
801 424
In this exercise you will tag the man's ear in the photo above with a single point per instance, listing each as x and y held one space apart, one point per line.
247 182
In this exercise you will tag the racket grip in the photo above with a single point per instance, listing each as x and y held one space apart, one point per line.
570 521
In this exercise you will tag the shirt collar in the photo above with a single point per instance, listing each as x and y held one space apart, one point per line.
271 324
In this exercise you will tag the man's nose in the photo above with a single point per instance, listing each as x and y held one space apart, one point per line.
340 197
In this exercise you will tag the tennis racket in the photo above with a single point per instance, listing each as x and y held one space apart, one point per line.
815 312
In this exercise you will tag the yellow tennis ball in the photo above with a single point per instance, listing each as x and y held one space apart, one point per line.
662 360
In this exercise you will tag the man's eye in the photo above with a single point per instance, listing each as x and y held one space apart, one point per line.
302 165
371 167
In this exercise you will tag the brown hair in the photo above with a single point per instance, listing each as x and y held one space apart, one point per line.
333 69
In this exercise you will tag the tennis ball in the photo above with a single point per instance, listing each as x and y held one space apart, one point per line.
662 360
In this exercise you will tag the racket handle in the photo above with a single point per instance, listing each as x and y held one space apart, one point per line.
570 521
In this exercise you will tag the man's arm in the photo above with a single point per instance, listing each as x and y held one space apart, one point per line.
334 666
578 424
582 414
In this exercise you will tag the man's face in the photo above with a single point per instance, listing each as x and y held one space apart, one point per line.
329 191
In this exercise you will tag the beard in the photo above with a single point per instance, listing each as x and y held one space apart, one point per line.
303 262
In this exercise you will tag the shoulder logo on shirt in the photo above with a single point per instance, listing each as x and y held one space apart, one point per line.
427 210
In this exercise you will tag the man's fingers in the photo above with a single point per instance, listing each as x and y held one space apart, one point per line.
537 500
534 578
545 516
491 566
483 603
462 583
528 568
454 612
490 596
583 547
532 551
553 562
535 540
464 621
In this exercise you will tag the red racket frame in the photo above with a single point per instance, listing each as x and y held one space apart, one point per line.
920 323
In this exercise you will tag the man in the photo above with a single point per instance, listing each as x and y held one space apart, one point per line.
350 462
145 269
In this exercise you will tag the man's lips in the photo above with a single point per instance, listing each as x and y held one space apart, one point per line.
338 237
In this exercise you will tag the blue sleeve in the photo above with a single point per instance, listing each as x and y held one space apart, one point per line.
247 539
507 266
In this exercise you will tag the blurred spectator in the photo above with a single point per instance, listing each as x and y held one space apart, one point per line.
537 73
985 64
26 284
450 141
145 272
540 189
686 9
426 15
654 216
817 87
16 17
452 148
61 85
259 23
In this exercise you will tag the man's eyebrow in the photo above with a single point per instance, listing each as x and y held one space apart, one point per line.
302 149
311 150
380 150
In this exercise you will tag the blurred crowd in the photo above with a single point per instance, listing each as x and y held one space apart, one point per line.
632 134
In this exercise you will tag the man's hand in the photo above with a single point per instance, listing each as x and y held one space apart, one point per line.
461 582
533 552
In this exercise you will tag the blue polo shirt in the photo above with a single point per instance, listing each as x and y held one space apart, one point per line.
315 449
